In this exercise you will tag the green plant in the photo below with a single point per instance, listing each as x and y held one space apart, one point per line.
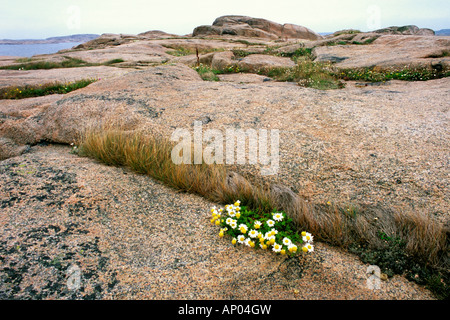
68 62
393 258
300 52
307 74
113 61
377 75
29 91
239 53
180 52
262 230
74 149
349 31
207 73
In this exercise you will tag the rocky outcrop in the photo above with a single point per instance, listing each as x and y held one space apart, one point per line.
106 40
255 28
406 30
388 51
257 62
157 34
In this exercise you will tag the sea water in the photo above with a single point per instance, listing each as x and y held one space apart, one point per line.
29 50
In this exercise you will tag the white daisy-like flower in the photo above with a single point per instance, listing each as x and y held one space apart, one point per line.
229 221
247 242
292 248
233 224
253 233
243 228
241 239
276 247
257 224
307 237
287 242
270 223
277 216
308 247
274 231
269 236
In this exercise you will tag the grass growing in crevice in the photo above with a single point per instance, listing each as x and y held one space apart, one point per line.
29 91
406 243
300 52
180 51
207 73
308 74
381 75
113 61
150 154
68 62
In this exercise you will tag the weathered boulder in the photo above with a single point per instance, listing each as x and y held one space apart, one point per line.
293 31
222 60
9 149
388 51
255 62
245 26
106 40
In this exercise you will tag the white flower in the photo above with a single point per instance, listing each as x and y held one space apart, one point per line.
230 211
247 242
253 233
241 239
276 247
228 221
233 224
257 224
307 237
274 231
270 223
243 228
292 248
287 242
269 236
277 216
308 247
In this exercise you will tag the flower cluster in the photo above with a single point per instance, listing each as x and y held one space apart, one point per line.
268 231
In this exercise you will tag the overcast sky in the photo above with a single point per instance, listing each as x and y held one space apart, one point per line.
33 19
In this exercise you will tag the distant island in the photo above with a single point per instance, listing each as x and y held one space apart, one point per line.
443 32
63 39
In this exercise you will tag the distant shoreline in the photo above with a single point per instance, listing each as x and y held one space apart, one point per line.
53 40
